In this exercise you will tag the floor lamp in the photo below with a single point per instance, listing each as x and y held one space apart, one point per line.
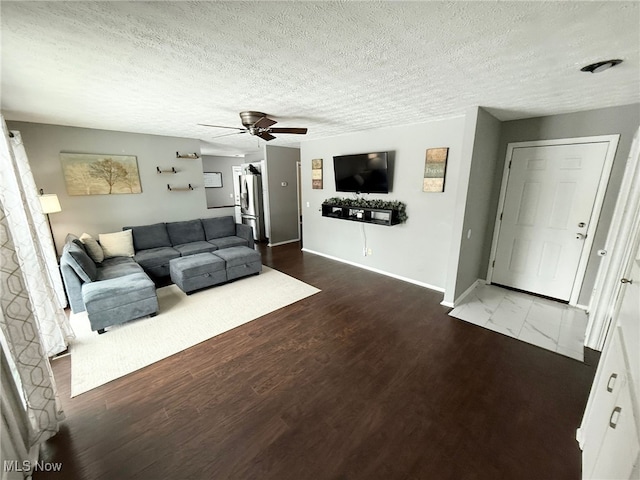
50 204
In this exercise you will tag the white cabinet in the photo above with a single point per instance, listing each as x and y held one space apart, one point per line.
619 450
609 432
609 435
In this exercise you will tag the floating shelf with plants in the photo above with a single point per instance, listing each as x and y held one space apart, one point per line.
380 212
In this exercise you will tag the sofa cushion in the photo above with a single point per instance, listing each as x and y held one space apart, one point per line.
150 236
70 238
117 244
226 242
154 257
195 247
79 243
108 294
219 227
81 263
92 247
185 232
117 267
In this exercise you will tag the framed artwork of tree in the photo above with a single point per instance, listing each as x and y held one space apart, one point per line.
88 174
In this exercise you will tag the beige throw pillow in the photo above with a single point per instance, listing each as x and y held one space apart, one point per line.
117 244
93 247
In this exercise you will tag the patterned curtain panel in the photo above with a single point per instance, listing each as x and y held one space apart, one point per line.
33 244
20 330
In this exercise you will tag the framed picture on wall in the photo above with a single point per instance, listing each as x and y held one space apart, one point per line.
316 173
435 169
212 179
90 174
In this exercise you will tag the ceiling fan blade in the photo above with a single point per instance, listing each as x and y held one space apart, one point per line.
264 122
265 136
219 126
229 134
298 131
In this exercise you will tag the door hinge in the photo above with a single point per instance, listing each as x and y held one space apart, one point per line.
510 163
493 264
501 215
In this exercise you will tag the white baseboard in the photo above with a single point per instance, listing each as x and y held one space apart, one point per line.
283 243
447 304
382 272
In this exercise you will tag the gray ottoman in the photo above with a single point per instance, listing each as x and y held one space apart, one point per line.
240 261
197 271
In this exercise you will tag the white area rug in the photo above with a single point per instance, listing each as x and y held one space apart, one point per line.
183 321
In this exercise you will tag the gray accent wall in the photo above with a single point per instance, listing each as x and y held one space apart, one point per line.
221 197
622 120
471 244
281 168
96 214
418 250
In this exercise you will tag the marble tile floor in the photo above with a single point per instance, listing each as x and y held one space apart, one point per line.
551 325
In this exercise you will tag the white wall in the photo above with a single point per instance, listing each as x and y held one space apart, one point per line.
96 214
417 250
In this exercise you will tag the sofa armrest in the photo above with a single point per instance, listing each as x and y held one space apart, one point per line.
246 232
73 286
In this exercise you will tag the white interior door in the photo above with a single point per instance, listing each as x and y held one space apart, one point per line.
547 209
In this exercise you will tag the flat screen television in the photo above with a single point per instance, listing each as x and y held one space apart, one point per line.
361 173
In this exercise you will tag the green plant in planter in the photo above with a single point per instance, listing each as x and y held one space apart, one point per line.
400 207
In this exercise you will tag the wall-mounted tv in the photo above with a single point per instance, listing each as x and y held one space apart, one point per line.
362 173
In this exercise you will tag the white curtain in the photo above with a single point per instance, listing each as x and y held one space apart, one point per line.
21 338
33 324
34 248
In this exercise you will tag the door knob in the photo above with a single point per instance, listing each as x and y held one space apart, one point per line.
626 280
580 236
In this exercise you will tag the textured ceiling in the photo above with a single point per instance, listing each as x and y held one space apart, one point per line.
334 67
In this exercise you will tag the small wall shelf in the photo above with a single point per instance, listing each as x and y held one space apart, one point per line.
192 156
173 170
179 189
378 216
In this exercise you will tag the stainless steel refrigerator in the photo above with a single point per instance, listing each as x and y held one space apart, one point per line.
251 203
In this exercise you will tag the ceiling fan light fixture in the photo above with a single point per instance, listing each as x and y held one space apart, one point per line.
601 66
258 125
250 118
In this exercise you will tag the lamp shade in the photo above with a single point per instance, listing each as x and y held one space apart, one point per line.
50 203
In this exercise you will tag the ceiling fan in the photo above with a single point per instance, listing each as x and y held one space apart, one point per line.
258 124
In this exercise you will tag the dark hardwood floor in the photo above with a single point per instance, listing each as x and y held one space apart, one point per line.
368 379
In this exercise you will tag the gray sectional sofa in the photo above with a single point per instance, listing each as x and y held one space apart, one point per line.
115 291
155 245
120 289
